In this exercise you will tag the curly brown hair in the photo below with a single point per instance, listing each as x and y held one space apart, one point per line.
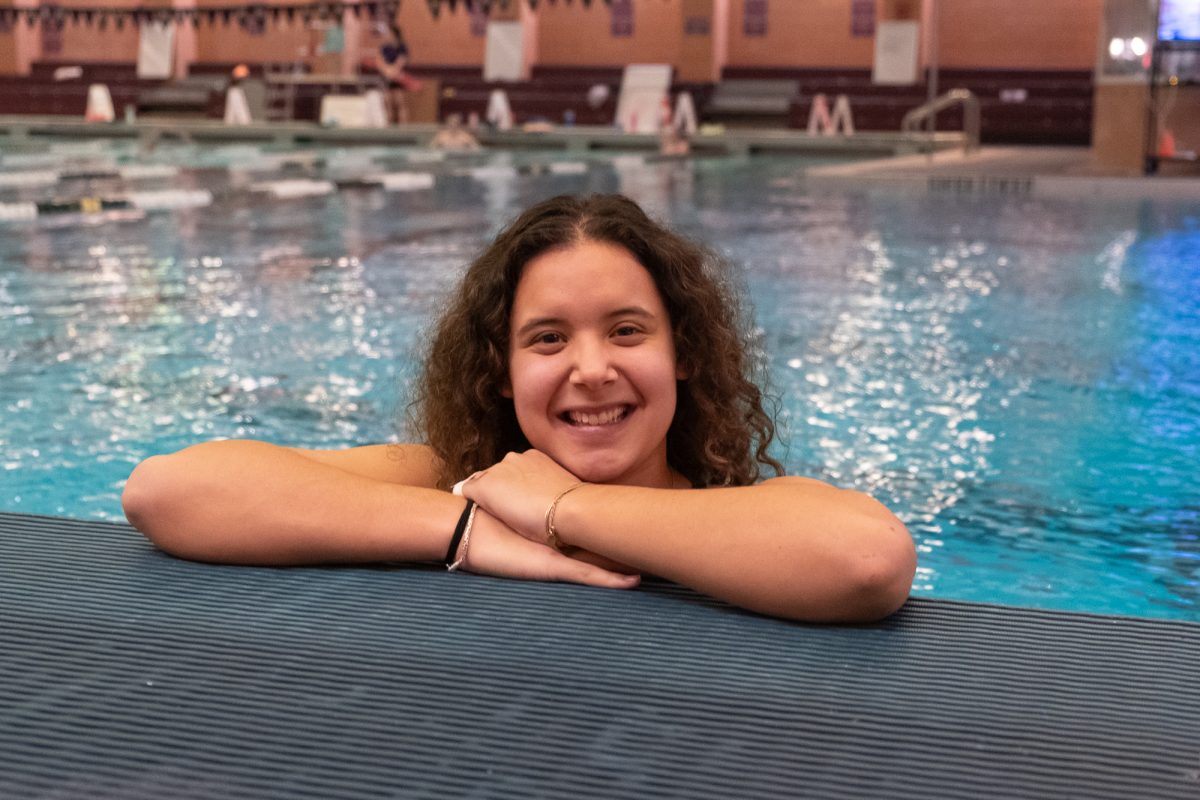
720 433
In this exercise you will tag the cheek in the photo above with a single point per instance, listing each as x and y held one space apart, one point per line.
531 383
658 381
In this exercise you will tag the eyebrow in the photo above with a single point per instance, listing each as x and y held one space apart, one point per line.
627 311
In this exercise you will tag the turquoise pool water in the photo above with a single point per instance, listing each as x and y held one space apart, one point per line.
1018 378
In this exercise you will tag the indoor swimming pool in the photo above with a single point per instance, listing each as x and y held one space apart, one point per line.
1018 378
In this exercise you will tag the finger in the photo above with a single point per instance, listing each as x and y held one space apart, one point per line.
458 487
604 579
497 550
572 571
579 554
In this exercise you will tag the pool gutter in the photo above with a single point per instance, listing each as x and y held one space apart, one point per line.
579 139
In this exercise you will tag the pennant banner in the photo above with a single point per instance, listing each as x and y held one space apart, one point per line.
251 15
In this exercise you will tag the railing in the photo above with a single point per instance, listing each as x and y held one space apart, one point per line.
913 119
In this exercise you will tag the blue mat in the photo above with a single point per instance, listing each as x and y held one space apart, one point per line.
125 673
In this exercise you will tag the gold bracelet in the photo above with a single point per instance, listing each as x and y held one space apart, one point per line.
551 533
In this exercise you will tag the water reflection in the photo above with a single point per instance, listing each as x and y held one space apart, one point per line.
1019 378
963 375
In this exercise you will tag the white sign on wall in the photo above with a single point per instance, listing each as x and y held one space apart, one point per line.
897 47
504 52
156 49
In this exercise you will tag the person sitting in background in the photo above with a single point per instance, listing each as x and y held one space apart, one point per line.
672 141
453 136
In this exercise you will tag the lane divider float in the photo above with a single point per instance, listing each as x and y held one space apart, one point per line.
167 199
291 189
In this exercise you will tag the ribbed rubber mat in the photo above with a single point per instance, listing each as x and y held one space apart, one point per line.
127 674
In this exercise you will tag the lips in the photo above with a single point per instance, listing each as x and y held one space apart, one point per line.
598 417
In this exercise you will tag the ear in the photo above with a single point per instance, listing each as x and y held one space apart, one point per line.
683 370
506 389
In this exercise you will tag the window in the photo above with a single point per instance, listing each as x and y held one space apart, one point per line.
754 22
622 18
862 18
479 19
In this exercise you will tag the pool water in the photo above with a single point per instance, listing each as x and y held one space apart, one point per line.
1018 378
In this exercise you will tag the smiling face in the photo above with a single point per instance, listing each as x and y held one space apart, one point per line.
592 366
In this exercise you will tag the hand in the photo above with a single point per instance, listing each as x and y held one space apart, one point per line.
518 490
495 549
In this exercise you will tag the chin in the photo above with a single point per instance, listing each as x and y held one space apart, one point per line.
596 473
621 474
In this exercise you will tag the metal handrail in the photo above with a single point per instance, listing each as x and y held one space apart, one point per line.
970 103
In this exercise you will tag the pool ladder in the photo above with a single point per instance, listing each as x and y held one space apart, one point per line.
927 112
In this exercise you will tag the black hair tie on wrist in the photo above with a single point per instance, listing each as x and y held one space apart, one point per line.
458 532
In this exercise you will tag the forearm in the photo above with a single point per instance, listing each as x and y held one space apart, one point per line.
255 503
790 548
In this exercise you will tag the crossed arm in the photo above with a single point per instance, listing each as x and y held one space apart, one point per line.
789 547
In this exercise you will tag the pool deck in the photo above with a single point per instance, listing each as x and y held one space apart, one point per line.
130 674
1035 171
574 139
906 162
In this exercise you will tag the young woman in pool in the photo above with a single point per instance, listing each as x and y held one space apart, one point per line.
591 379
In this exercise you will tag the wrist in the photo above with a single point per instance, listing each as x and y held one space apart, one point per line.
551 531
570 515
417 524
460 540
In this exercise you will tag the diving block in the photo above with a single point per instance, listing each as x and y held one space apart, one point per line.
499 112
684 119
99 104
822 122
237 110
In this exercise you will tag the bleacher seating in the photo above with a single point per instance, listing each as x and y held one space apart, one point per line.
1056 107
40 93
92 71
25 95
1017 106
549 94
751 102
184 97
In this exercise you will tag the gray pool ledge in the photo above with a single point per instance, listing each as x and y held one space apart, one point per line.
125 673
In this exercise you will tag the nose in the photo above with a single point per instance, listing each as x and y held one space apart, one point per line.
592 363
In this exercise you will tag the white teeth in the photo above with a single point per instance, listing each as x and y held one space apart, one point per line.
600 418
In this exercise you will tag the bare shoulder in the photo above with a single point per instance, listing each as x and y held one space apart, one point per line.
407 464
798 482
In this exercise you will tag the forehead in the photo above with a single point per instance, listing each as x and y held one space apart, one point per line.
586 273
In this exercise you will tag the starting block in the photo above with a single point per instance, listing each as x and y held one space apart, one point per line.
822 122
99 104
237 110
499 112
